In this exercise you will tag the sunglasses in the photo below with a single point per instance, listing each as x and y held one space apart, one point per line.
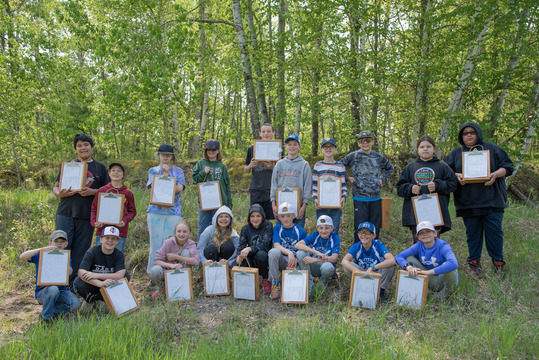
365 140
466 133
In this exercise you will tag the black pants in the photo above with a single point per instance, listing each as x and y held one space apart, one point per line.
89 292
370 211
258 260
212 253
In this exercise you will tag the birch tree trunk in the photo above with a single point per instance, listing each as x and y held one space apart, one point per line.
497 106
280 111
422 87
258 68
457 101
246 67
298 101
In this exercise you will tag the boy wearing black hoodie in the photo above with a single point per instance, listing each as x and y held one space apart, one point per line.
256 239
481 205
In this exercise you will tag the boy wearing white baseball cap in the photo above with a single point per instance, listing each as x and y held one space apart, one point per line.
433 257
283 255
319 252
101 265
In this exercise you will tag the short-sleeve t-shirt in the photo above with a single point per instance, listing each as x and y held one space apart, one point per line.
35 260
77 206
180 179
288 238
367 258
327 246
261 174
98 262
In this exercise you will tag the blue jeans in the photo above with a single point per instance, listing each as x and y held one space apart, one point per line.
160 227
204 220
120 246
491 227
79 235
334 214
56 301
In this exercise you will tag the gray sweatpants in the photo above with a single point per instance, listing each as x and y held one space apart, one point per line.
387 274
157 273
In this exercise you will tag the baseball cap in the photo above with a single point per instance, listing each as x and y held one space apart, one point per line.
117 164
165 149
58 234
212 144
324 220
287 208
365 134
366 225
328 140
292 137
425 225
111 230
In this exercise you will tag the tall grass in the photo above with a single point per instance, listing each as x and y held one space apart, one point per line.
486 318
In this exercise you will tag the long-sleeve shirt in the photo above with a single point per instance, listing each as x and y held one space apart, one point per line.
323 170
367 170
130 210
171 246
292 173
439 257
219 172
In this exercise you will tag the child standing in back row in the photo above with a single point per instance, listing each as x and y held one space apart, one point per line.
329 168
211 168
426 175
369 170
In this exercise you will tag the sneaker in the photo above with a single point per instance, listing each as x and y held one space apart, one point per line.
266 285
498 266
275 290
475 268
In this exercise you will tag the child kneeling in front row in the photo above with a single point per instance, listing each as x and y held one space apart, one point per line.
432 257
319 252
283 255
177 252
370 255
101 265
55 299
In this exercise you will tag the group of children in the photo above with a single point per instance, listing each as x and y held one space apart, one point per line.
283 246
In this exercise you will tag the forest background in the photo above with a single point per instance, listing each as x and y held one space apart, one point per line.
135 74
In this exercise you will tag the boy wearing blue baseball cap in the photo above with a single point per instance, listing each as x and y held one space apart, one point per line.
370 255
294 172
324 170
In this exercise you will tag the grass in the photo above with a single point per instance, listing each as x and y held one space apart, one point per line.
488 318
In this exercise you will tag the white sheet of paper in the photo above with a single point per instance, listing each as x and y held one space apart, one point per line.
365 292
294 287
178 286
329 193
109 209
410 292
428 210
290 197
71 176
121 297
475 165
209 196
54 268
216 280
163 191
267 150
244 286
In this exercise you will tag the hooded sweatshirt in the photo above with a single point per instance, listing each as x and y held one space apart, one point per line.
445 182
206 238
292 173
130 210
219 172
257 239
476 199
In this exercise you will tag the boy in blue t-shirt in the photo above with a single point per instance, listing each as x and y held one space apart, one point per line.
319 252
370 255
55 299
283 255
432 257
